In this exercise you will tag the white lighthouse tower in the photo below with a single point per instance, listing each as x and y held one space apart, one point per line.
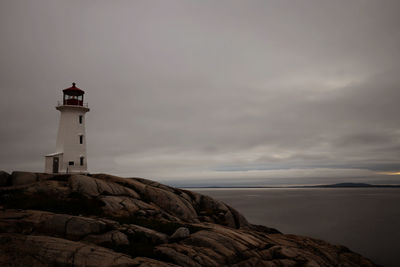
70 155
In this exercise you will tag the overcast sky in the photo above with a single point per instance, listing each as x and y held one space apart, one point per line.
241 92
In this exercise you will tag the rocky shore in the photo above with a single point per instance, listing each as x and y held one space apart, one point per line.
104 220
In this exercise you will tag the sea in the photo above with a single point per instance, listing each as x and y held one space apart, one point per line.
366 220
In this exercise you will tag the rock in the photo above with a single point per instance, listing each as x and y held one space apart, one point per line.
265 229
146 262
24 250
112 238
92 187
48 176
180 233
121 206
22 178
183 204
49 187
172 203
40 222
179 258
4 178
123 222
153 237
209 208
131 183
76 227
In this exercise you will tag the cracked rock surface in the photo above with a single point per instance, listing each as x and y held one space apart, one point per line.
104 220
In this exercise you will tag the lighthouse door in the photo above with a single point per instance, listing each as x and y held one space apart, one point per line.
55 165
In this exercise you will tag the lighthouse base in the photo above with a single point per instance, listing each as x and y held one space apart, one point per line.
56 163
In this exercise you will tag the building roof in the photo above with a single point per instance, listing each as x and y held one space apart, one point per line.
54 154
73 90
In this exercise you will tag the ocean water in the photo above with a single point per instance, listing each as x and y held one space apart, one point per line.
366 220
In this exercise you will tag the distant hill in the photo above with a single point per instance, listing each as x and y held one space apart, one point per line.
338 185
347 185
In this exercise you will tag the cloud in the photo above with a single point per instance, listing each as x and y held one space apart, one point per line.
229 89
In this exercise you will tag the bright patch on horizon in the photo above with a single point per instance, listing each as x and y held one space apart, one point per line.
390 173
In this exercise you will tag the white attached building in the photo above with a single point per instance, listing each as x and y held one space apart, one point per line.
70 155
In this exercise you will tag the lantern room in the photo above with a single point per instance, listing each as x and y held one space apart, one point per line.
73 96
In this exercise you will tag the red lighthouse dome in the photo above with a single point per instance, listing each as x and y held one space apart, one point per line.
73 96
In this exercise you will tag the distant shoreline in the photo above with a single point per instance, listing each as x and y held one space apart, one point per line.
339 185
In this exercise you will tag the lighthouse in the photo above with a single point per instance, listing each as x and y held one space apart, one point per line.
70 155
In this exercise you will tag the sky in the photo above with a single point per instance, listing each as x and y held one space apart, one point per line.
208 92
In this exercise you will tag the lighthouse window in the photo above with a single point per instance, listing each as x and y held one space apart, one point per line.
81 161
80 119
81 139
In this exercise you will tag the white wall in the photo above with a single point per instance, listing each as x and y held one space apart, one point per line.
68 143
48 166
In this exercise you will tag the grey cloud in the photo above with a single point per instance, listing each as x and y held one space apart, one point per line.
366 139
183 87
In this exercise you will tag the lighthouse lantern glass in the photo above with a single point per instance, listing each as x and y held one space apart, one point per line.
75 100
